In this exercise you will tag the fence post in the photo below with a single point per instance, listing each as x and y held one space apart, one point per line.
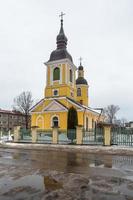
34 134
79 134
107 134
55 135
16 133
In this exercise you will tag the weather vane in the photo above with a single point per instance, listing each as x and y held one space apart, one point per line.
61 15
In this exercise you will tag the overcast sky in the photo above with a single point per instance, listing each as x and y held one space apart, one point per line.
100 31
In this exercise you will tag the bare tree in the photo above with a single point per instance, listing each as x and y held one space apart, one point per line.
123 121
23 103
110 112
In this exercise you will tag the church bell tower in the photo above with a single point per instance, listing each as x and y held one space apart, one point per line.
81 86
60 76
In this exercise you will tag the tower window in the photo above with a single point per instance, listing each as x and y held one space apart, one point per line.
71 76
55 121
55 93
79 92
56 74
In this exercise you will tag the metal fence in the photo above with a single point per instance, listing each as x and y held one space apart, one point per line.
93 136
6 135
44 136
62 137
122 136
25 135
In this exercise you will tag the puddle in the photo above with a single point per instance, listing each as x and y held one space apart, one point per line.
24 186
35 181
59 175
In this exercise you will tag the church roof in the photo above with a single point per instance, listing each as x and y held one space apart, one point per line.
69 99
81 80
83 106
80 67
61 51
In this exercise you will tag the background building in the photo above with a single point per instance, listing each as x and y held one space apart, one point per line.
9 119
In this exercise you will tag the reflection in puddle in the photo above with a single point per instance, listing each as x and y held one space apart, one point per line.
34 173
34 181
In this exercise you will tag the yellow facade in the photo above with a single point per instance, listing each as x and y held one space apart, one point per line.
64 86
43 119
84 95
63 91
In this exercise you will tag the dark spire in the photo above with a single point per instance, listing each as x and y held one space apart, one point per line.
61 38
80 66
81 80
61 41
80 61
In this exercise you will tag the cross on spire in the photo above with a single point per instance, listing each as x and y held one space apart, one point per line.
61 15
80 59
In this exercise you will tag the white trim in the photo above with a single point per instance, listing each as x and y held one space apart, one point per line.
82 85
74 104
60 81
37 104
66 60
47 75
50 104
51 76
89 110
50 98
66 73
51 111
73 76
55 111
40 116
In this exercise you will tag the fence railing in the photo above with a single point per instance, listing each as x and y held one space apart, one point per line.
6 135
44 136
93 136
25 135
98 136
122 136
62 137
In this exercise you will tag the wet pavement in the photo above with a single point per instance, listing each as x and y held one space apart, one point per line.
42 174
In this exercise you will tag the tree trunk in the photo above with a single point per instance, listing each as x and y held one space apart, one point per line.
26 121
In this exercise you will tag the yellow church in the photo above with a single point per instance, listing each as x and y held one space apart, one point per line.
66 87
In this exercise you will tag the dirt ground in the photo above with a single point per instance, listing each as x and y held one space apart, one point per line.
45 174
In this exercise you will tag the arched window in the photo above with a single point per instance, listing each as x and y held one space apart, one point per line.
56 74
39 122
55 121
79 92
71 76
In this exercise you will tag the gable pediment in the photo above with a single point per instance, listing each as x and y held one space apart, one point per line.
54 106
